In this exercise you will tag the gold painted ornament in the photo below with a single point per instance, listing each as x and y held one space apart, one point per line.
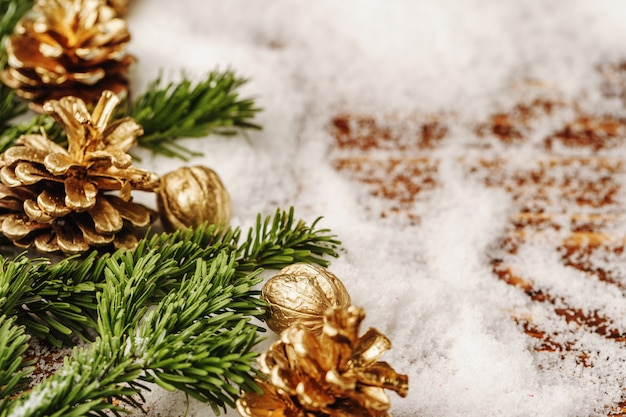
191 196
77 198
335 374
301 293
68 48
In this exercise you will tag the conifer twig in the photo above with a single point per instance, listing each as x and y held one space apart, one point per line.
56 302
188 110
195 340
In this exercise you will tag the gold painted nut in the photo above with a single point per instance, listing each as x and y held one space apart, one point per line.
191 196
302 293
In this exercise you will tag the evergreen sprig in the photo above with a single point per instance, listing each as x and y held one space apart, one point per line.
187 110
56 301
195 340
198 336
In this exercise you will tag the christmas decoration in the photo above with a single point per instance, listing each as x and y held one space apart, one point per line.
68 47
334 374
301 293
56 198
191 196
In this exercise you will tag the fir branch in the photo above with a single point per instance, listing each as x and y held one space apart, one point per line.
213 340
56 302
280 241
194 341
188 110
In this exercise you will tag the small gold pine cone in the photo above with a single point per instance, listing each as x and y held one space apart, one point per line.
68 47
336 374
56 198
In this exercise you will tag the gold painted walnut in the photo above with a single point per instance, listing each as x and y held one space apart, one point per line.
68 47
301 293
59 199
336 374
191 196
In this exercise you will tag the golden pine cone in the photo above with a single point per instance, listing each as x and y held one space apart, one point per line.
68 47
336 374
56 198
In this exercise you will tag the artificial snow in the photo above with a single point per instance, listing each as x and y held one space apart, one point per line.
428 284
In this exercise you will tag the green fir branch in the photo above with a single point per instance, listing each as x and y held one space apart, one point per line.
56 302
187 110
195 340
280 241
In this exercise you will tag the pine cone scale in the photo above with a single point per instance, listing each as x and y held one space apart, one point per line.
382 375
17 227
137 215
105 217
80 195
91 235
46 242
28 173
53 204
22 153
35 213
371 346
8 177
40 143
69 238
59 163
121 133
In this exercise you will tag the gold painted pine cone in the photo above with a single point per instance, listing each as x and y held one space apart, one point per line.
68 47
335 374
302 293
58 199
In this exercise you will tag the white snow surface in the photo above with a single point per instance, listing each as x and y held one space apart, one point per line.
427 285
